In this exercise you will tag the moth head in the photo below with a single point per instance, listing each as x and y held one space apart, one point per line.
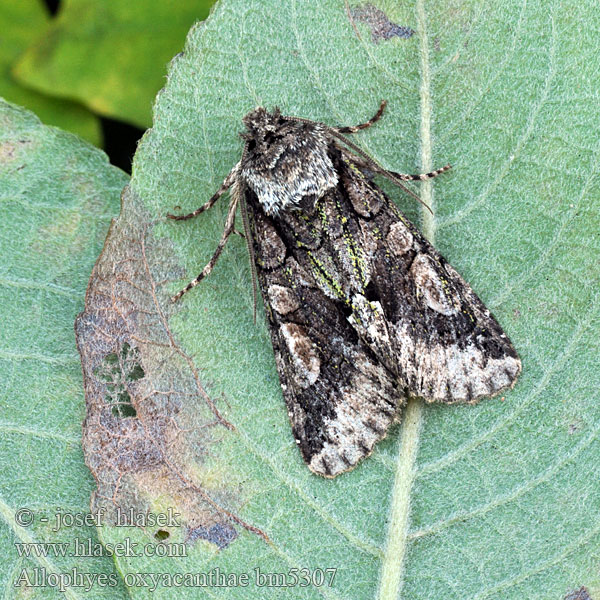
262 128
286 161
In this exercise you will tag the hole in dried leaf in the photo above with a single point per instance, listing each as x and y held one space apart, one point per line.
118 371
161 535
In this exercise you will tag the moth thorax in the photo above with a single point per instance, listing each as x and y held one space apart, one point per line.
277 192
286 162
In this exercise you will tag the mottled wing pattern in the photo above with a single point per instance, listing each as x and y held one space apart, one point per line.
364 312
340 398
417 314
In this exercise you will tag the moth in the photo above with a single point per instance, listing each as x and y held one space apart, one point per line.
363 311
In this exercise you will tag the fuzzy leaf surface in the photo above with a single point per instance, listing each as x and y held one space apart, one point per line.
497 501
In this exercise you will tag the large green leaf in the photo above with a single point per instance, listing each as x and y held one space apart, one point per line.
111 56
494 501
21 23
57 195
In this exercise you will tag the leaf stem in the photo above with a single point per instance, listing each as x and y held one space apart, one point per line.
395 551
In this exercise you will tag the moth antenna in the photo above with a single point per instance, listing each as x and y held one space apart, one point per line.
250 246
371 162
247 232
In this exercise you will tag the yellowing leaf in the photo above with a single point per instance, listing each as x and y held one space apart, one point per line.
21 23
110 56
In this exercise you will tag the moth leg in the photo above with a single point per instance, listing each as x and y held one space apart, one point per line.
227 183
352 129
229 229
370 163
421 176
373 119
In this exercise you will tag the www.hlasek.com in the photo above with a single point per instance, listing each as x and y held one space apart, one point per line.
88 548
215 578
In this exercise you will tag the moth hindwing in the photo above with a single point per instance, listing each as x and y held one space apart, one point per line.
363 311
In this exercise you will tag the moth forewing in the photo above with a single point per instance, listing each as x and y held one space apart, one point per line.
363 311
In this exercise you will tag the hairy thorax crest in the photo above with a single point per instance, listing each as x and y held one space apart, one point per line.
286 162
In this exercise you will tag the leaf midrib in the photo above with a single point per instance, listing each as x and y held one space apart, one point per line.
392 569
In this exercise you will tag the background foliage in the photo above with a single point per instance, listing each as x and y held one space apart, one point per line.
94 66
